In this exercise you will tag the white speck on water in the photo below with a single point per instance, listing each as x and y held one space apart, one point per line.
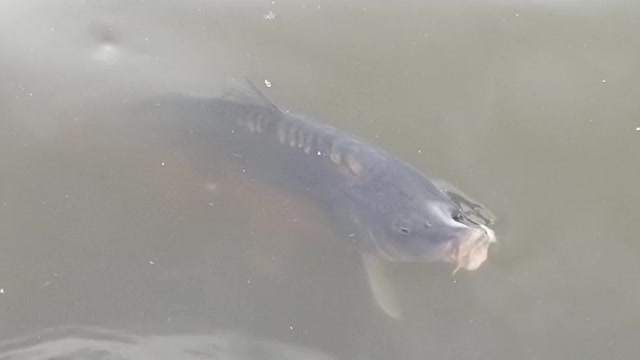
419 151
162 164
1 290
517 15
604 81
425 35
210 204
267 83
248 281
270 15
106 53
53 29
30 94
211 186
291 327
638 128
319 153
152 262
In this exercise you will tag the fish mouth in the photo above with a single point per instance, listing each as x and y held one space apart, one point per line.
472 252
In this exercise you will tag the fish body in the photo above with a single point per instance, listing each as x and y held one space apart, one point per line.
396 212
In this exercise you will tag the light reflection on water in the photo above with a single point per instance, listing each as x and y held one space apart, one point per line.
95 344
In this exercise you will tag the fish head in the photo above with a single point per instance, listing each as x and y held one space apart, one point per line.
414 221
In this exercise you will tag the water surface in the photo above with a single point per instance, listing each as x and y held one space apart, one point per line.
530 106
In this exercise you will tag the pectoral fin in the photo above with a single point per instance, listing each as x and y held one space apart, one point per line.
381 288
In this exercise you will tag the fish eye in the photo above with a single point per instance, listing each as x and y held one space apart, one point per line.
458 217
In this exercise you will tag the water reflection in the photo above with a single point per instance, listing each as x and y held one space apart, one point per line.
96 344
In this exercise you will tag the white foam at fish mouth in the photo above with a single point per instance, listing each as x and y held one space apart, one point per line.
472 252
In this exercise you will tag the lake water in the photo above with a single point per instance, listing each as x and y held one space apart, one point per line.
531 106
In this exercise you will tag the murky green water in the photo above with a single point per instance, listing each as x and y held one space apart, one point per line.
531 106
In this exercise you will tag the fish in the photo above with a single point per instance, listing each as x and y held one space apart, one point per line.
395 212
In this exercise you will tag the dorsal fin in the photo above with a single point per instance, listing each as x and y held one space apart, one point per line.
242 90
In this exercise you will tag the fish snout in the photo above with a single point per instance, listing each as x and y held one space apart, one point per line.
471 251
